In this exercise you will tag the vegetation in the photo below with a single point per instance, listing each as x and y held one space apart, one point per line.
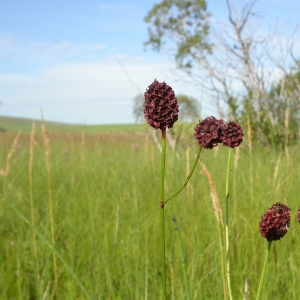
106 226
245 73
11 124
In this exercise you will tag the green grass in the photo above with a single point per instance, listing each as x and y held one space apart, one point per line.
105 191
12 124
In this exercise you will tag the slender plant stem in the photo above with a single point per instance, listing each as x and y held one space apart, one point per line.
52 247
162 213
183 260
37 270
221 245
226 227
50 199
188 178
250 159
263 273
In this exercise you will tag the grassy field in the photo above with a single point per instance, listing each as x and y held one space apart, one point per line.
97 203
13 125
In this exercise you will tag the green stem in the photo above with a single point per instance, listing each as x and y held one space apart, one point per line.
162 213
188 178
52 247
183 260
226 227
263 273
222 260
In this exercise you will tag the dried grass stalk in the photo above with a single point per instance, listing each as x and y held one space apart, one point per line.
214 195
4 172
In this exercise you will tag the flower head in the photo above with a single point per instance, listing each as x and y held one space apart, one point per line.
160 107
208 132
274 224
232 134
298 215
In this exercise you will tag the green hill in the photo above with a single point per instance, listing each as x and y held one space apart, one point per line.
14 124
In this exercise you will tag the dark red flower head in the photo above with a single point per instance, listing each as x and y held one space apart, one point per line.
232 134
160 107
208 132
298 215
274 224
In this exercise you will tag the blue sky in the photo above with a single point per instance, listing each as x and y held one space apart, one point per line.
84 61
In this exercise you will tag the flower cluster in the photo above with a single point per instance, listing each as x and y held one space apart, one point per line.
160 107
210 132
274 224
232 134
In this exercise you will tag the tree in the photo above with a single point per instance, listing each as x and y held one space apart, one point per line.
138 108
185 22
234 63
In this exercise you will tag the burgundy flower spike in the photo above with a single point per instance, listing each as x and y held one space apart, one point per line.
232 134
160 107
298 215
274 224
208 132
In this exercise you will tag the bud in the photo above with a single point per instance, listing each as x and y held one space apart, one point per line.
160 107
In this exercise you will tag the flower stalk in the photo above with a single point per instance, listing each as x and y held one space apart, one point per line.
273 226
188 178
226 225
263 273
161 112
162 214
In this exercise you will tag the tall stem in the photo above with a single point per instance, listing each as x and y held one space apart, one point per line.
226 227
263 273
188 178
30 171
183 260
50 199
162 213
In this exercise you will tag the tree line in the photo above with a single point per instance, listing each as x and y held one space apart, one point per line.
250 77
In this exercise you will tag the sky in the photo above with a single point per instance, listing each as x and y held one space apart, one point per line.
83 62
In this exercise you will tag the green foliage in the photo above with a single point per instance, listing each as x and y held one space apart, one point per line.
189 108
184 23
106 215
14 125
271 108
277 126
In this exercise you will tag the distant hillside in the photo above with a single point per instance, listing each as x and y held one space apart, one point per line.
14 124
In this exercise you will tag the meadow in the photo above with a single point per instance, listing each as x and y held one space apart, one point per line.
85 208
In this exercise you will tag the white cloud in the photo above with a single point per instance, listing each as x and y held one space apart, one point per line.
84 81
72 92
63 49
8 46
43 50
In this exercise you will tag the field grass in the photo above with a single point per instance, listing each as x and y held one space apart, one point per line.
105 191
13 125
